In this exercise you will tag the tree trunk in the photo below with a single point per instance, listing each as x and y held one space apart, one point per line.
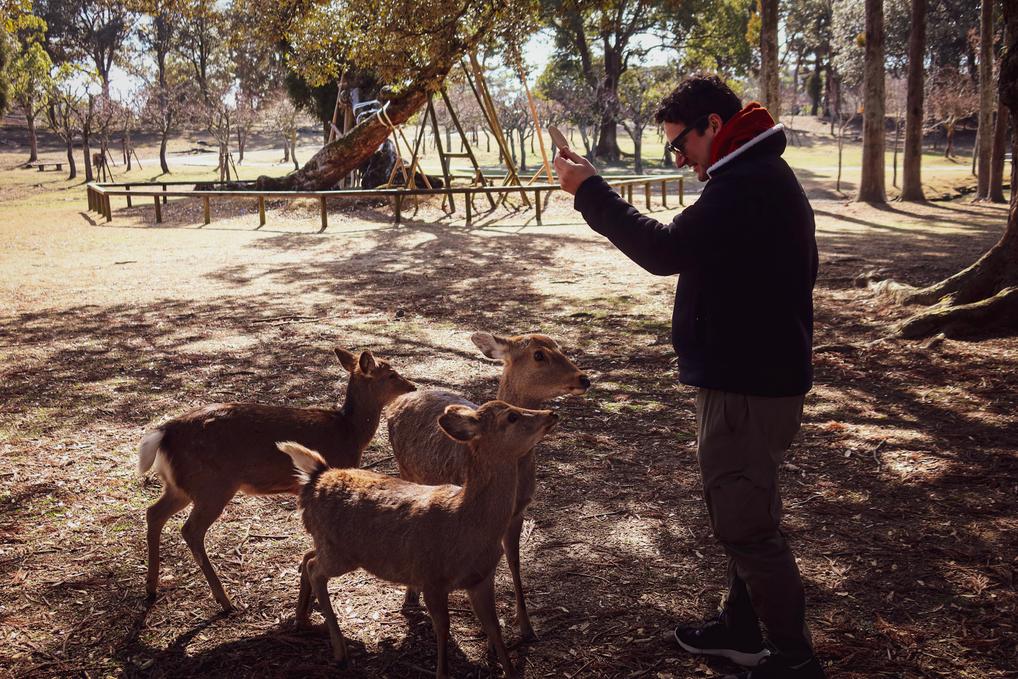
72 168
912 184
638 151
897 138
985 295
871 185
293 152
33 140
286 149
608 139
985 137
241 138
769 85
997 155
87 152
523 151
162 152
340 157
949 130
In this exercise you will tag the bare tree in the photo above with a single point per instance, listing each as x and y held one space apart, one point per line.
912 184
986 103
951 98
871 185
770 85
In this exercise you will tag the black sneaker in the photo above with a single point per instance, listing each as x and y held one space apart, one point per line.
715 638
778 666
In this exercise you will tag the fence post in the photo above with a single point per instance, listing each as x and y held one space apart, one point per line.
261 211
681 191
159 211
325 215
107 210
537 204
646 193
164 197
127 187
664 193
205 208
399 209
470 208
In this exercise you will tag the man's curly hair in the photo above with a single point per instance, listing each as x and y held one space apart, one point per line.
697 97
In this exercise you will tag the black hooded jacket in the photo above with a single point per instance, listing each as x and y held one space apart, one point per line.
747 261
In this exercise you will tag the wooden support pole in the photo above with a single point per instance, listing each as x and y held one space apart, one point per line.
629 193
325 215
205 209
127 187
159 210
537 204
88 196
399 209
108 211
681 191
664 193
164 197
646 193
261 211
470 208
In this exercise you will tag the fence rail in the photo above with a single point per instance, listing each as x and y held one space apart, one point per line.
99 194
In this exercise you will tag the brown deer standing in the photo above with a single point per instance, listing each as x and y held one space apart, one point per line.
534 371
433 539
209 454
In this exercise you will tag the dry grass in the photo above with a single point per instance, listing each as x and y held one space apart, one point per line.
899 492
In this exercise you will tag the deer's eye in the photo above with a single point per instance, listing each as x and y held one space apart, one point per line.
538 355
513 417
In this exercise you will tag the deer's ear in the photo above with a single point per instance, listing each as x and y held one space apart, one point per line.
347 359
367 362
490 345
460 423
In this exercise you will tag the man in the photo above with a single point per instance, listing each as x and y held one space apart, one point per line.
742 328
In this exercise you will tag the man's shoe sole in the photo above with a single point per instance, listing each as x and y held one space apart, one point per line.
737 657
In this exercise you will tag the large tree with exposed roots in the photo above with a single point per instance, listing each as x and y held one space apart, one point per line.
983 297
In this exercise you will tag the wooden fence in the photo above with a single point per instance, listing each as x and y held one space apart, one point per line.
99 195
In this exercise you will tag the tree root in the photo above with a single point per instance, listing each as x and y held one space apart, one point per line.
997 312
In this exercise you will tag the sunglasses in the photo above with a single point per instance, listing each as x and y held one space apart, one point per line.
678 145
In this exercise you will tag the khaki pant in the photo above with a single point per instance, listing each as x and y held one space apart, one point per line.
741 440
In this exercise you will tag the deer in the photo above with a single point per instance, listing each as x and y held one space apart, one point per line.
433 539
208 455
534 370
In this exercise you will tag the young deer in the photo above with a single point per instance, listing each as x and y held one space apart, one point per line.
434 539
209 454
534 371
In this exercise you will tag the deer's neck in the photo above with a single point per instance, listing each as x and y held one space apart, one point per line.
361 416
489 493
513 395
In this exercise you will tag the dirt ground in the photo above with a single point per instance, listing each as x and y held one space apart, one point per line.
899 492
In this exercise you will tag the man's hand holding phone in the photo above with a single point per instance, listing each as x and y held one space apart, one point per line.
572 169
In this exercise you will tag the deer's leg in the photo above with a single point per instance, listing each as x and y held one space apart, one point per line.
438 608
206 511
412 598
482 600
303 616
511 546
171 502
319 580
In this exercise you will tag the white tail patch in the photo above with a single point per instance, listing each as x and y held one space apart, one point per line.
306 461
148 449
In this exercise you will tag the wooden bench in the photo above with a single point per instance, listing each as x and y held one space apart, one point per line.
42 166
